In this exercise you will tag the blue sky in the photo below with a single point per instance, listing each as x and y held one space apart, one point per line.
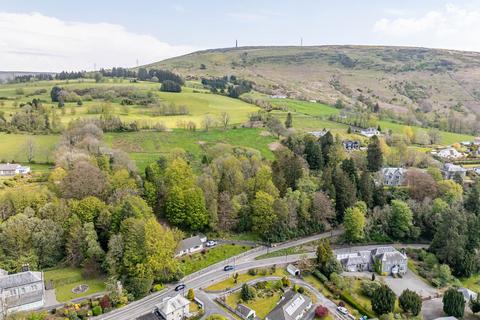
43 34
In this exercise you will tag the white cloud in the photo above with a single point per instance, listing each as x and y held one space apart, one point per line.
34 42
452 27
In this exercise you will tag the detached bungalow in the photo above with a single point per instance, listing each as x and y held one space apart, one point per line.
370 132
449 153
191 245
293 306
450 170
12 169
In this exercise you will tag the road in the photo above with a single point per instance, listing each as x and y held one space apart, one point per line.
215 273
212 274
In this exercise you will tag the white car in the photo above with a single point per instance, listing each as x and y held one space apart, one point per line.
342 310
211 243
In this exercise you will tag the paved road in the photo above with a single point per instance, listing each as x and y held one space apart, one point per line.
210 306
211 275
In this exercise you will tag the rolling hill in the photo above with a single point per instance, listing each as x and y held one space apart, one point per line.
398 78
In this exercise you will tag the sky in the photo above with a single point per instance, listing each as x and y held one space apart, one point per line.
54 35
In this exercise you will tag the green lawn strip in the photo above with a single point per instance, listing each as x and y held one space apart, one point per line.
65 279
198 261
246 277
283 252
305 107
472 282
12 147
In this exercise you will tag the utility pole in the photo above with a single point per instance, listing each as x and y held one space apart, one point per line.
137 62
301 42
236 43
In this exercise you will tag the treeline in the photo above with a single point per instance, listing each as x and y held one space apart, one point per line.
118 72
158 75
228 85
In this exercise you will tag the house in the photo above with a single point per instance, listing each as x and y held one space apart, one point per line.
176 308
12 169
245 312
292 306
449 153
370 132
383 260
451 170
318 134
468 294
393 177
350 145
21 291
278 96
294 271
191 245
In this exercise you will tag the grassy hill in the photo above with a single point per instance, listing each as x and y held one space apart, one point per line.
398 78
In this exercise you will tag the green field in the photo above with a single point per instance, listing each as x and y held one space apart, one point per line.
145 147
12 147
305 107
65 279
198 261
198 102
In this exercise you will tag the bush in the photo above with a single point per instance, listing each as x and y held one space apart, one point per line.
410 302
320 276
453 303
247 293
321 312
170 86
252 272
383 300
351 301
368 287
105 302
301 290
97 311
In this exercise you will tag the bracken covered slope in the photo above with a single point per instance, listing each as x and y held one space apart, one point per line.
397 77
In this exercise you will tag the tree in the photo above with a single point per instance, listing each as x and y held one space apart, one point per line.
345 193
453 303
321 311
475 304
313 153
472 202
224 120
420 184
170 86
383 300
409 134
400 221
410 302
55 93
83 180
374 155
263 215
366 188
354 223
326 261
275 126
98 77
208 122
30 149
191 294
247 293
289 121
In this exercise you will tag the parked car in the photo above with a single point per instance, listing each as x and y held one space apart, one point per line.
228 268
180 287
342 310
211 243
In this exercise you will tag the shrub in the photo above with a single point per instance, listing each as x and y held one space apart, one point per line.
383 300
410 302
247 293
286 282
453 303
301 290
191 294
321 311
157 287
97 311
368 287
105 302
252 272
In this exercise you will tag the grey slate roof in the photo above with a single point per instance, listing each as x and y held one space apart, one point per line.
8 166
292 305
190 243
19 279
243 310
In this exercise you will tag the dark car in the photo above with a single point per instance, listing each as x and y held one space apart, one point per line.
228 268
180 287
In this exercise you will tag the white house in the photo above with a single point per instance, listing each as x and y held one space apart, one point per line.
294 271
21 291
318 134
450 153
12 169
370 132
176 308
468 294
191 245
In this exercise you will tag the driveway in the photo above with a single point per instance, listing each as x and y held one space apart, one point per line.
413 282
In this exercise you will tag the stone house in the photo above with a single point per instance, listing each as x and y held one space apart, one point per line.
449 153
450 170
350 145
292 306
393 177
22 291
383 260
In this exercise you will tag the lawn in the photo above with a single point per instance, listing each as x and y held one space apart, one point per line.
245 277
198 261
12 147
284 252
472 283
262 306
65 279
305 107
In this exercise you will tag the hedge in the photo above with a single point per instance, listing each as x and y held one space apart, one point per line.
347 298
320 276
